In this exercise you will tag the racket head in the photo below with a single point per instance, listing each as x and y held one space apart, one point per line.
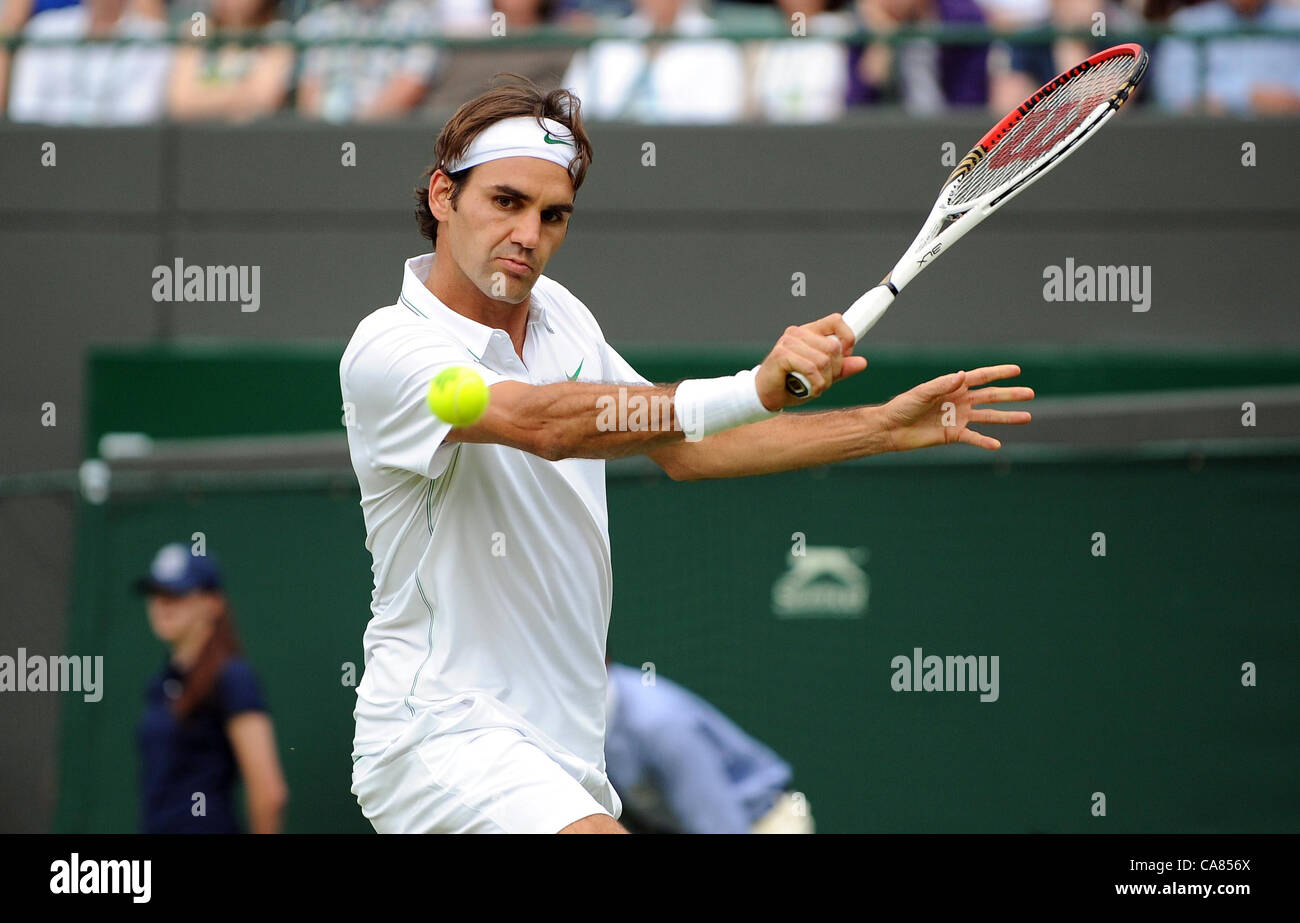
1018 150
1045 127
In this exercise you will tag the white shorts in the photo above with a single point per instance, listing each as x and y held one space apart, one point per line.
483 780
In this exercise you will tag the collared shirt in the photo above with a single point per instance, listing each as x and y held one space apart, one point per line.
681 764
492 574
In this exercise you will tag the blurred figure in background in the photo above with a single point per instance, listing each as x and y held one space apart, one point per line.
680 766
229 81
205 722
14 14
804 79
587 14
1020 68
661 80
1231 75
467 72
926 78
1017 69
342 83
90 85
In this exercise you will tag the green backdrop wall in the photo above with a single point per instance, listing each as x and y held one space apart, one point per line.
1118 674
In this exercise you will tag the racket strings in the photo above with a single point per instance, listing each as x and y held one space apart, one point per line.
1043 129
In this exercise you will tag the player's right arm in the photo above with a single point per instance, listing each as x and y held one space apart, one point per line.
598 420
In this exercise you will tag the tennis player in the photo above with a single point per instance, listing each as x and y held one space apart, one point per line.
482 705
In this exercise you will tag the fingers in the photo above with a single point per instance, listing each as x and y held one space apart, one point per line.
983 376
834 325
944 384
1000 416
1001 395
979 440
797 362
851 365
817 356
823 351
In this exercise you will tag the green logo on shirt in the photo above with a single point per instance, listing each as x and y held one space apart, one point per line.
577 371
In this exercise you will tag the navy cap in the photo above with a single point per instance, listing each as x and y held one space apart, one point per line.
177 571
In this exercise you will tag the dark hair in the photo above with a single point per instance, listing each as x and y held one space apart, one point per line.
201 681
500 102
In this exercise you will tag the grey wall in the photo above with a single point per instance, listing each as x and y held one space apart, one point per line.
699 248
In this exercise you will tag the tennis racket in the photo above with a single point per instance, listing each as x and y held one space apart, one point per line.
1017 152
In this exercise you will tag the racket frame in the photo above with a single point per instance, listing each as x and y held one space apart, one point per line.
955 221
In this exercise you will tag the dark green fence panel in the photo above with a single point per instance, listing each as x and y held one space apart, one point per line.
227 389
1118 674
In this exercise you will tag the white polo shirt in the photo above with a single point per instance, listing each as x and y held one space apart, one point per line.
492 576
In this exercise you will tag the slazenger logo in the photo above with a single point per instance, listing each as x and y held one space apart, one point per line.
102 876
826 582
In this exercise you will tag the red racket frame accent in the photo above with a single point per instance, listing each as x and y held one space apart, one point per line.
1139 55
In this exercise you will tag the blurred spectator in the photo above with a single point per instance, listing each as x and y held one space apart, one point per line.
343 83
591 11
661 80
803 79
153 9
467 72
90 85
227 80
204 723
927 78
681 766
1019 69
1231 75
14 14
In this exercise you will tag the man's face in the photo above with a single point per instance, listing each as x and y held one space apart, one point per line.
510 217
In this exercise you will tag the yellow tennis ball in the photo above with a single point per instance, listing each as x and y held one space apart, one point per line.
458 396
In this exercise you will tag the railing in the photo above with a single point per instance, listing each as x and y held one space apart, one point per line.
561 36
557 36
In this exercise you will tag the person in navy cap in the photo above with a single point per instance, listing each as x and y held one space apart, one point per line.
205 722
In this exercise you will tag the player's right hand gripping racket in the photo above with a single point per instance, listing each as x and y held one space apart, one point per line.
1018 151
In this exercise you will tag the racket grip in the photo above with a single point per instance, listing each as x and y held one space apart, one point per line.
871 307
861 317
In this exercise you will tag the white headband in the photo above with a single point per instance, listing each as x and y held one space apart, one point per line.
519 137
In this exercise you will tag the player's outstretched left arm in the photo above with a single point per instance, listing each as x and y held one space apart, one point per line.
936 412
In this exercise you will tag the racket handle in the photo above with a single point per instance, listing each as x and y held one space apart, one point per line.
861 317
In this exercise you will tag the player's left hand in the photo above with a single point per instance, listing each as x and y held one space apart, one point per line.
940 411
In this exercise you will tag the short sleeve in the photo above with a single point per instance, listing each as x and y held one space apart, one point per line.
619 370
238 690
388 385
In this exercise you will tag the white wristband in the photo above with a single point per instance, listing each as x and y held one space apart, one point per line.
705 406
